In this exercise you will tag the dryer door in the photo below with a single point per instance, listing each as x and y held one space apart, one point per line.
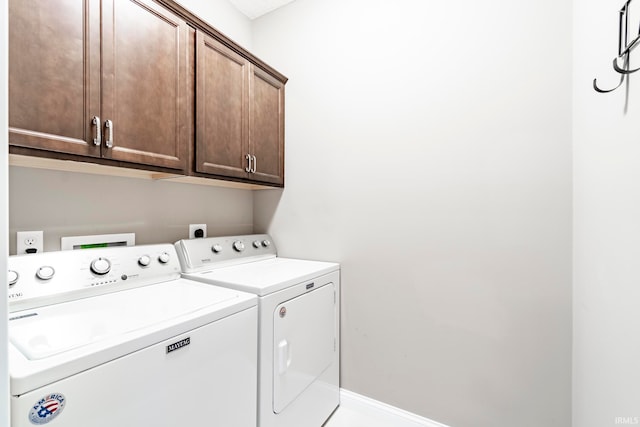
304 343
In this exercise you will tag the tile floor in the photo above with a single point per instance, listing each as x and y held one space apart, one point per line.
359 411
357 417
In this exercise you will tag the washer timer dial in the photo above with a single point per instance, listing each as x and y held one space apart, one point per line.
100 266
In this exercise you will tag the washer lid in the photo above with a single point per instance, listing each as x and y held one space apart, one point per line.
266 276
52 342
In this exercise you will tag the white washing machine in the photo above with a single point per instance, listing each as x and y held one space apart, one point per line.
115 337
298 375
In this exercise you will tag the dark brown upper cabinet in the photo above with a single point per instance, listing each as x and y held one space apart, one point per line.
105 79
239 116
266 126
54 75
115 81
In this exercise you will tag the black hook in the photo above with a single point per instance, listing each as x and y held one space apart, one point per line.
624 49
624 72
597 89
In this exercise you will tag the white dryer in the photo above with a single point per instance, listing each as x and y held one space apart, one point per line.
115 337
298 375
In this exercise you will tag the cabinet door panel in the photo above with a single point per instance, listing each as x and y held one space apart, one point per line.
54 74
145 78
221 97
266 127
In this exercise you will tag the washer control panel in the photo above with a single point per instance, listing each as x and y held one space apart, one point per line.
213 252
48 277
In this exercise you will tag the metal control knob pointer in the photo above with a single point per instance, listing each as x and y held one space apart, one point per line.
13 277
238 246
100 266
144 260
45 273
164 258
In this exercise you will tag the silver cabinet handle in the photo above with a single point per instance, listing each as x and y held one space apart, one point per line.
96 122
255 164
248 168
109 138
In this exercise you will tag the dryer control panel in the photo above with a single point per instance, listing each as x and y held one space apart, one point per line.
215 252
54 277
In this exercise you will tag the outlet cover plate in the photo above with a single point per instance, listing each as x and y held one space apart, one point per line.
29 240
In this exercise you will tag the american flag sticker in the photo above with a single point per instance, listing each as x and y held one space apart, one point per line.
47 408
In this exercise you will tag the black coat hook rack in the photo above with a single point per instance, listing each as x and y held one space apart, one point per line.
625 46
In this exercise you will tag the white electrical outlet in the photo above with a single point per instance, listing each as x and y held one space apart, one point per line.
194 230
29 242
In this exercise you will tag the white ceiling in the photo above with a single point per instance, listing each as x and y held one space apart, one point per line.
255 8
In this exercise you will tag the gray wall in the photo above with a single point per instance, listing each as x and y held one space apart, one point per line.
606 385
429 151
74 204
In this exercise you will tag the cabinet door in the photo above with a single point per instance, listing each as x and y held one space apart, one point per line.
221 109
145 83
266 127
54 74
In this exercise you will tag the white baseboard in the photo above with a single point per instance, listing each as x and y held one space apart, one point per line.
401 418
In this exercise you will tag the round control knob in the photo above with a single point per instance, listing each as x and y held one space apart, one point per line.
100 266
238 246
217 248
45 273
266 243
144 260
13 277
164 258
256 244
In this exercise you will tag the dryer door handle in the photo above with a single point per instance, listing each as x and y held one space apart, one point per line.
284 356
